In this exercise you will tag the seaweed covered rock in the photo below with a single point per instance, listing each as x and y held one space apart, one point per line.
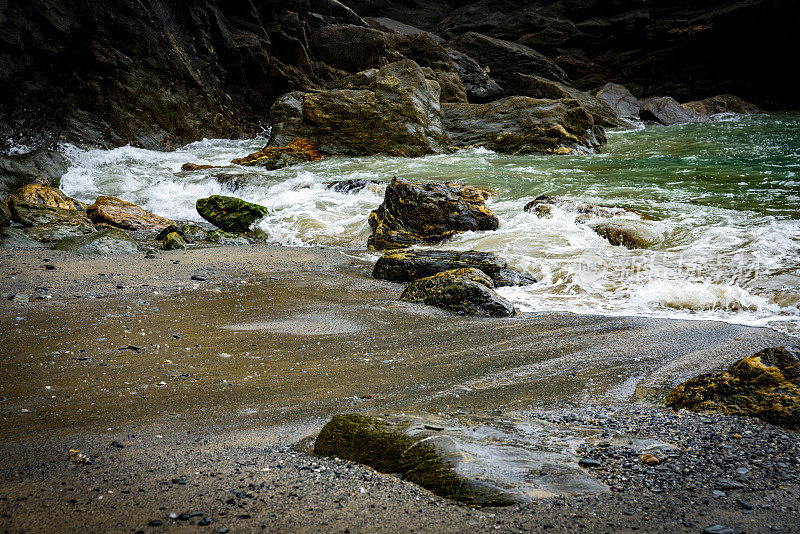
468 291
524 125
629 233
300 150
111 241
230 213
121 214
395 112
720 104
765 385
414 213
478 460
409 265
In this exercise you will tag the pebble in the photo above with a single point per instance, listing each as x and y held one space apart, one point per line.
649 459
21 298
198 277
205 521
179 481
156 523
117 444
589 462
221 530
718 529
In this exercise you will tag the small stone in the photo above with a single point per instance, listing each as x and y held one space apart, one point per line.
180 482
198 278
173 515
156 523
744 504
589 462
649 459
49 267
717 493
221 530
726 484
21 298
131 347
205 521
736 436
117 444
718 529
196 514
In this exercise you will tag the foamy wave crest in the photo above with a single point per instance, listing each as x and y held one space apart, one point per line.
700 297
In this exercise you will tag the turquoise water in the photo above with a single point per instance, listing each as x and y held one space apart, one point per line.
723 196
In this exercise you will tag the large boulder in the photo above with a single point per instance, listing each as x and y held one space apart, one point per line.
765 385
523 125
479 87
467 291
16 238
408 265
415 213
300 150
110 241
720 104
483 461
36 193
505 58
230 213
538 87
395 112
629 233
667 111
619 99
121 214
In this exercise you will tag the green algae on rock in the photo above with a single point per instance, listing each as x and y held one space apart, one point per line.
111 241
415 213
193 233
230 213
765 385
467 290
173 241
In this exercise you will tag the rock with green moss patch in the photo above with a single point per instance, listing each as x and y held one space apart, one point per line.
226 238
193 233
765 385
468 291
173 241
230 213
111 241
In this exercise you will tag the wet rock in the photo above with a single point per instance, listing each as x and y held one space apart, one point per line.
414 213
620 100
173 241
41 166
5 214
299 150
16 238
225 238
168 230
478 85
538 87
589 462
193 233
397 115
59 229
111 241
42 195
469 291
409 265
36 214
523 125
229 213
505 58
353 185
720 104
543 206
121 214
21 298
194 167
629 233
649 459
765 385
666 110
718 529
234 182
480 461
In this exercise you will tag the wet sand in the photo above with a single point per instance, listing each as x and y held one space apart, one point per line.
208 381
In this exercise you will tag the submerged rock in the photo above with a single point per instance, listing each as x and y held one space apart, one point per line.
353 185
765 385
230 213
121 214
478 85
414 213
543 206
396 112
629 233
666 110
621 100
111 241
300 150
720 104
478 460
469 291
524 125
409 265
187 167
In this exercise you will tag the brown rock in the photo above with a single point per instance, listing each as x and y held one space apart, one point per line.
649 459
299 150
43 195
195 167
121 214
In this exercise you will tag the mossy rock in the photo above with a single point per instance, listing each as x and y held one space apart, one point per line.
173 241
765 385
226 238
230 213
110 241
468 291
30 214
193 233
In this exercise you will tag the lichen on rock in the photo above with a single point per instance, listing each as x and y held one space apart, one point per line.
230 213
467 291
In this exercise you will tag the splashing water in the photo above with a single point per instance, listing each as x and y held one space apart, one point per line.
724 196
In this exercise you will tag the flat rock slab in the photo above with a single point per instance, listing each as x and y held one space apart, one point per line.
479 460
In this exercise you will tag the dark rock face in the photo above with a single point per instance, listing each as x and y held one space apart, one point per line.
666 110
523 125
538 87
505 58
618 98
478 85
409 265
40 166
111 241
229 213
5 214
765 385
397 114
467 291
720 104
427 213
353 185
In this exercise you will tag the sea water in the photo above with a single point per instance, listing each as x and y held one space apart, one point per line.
723 197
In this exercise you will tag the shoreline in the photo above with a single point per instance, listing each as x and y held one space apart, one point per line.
277 339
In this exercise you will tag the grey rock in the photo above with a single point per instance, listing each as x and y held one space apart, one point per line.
667 111
621 100
477 83
111 241
16 238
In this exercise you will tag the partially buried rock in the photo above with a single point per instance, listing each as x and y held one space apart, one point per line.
478 460
409 265
299 150
414 213
193 233
121 214
629 233
765 385
543 206
469 291
173 241
524 125
230 213
111 241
